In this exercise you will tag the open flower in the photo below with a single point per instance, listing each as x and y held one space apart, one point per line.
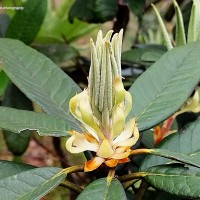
103 107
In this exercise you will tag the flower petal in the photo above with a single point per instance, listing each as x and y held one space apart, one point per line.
111 162
128 103
119 91
121 155
128 131
93 164
124 160
105 150
78 143
87 114
118 121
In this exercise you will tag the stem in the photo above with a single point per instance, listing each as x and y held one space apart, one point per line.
140 151
110 176
142 189
71 186
128 177
127 184
77 168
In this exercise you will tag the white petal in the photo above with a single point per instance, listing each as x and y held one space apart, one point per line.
78 143
127 132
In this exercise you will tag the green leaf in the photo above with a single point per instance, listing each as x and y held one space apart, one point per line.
194 23
13 97
93 11
21 120
9 168
142 56
163 88
39 78
180 31
163 29
26 182
175 180
26 23
180 157
186 142
101 190
4 82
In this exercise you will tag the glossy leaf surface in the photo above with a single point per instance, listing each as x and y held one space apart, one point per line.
101 190
162 89
20 120
39 78
24 182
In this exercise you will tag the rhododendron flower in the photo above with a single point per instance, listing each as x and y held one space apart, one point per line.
103 107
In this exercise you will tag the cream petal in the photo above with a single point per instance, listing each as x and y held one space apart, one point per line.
78 143
105 150
118 121
91 131
128 103
129 142
121 155
127 132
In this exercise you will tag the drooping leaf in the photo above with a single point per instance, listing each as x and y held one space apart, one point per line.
163 88
26 23
39 78
21 120
186 142
13 97
175 180
93 11
23 182
3 81
101 189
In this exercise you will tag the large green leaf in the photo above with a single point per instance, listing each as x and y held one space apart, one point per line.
192 160
175 180
11 168
95 11
101 189
13 97
21 120
165 86
23 182
4 81
26 23
186 142
39 78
